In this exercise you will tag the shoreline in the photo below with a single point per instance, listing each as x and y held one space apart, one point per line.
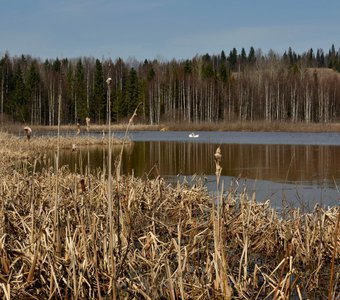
256 126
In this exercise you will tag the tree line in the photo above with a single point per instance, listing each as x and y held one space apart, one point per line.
238 86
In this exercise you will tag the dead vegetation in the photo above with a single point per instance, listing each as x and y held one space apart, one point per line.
168 242
218 126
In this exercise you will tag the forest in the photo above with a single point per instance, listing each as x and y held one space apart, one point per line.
238 86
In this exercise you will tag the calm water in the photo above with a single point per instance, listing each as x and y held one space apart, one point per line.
299 169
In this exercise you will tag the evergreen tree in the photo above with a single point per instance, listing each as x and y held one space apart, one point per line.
57 65
207 67
70 103
292 56
80 92
332 57
187 67
99 96
151 74
310 58
223 58
33 82
132 94
223 72
6 83
243 57
233 59
251 55
17 102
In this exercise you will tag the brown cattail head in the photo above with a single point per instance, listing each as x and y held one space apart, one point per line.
218 157
82 185
87 124
108 81
78 128
28 132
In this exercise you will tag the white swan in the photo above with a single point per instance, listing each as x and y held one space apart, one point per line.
193 135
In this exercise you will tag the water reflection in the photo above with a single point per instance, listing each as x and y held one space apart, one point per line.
312 169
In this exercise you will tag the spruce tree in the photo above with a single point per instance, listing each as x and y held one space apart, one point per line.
80 92
251 55
99 98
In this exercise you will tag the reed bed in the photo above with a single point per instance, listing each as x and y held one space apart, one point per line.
252 126
40 144
170 242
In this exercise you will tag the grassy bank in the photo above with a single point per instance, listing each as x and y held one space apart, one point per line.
167 242
222 126
225 126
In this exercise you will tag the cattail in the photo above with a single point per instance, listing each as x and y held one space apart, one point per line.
28 132
78 128
82 185
108 81
218 157
87 124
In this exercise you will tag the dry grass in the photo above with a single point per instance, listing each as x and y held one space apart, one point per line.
39 144
173 242
100 128
259 126
256 126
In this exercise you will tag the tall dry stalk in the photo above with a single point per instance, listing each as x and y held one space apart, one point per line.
56 225
56 203
109 198
118 168
336 232
88 150
119 162
220 258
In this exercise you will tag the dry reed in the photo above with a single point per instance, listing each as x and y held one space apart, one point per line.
252 126
174 243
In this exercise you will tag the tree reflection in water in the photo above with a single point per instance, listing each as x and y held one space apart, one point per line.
296 173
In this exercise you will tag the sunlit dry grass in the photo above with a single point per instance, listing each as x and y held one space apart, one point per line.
255 126
170 243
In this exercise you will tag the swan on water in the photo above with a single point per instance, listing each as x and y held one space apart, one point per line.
193 135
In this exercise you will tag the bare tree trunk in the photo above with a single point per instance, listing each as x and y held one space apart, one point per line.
196 105
151 106
189 103
326 106
267 117
308 100
158 106
293 103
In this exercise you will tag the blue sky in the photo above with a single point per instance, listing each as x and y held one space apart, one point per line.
164 29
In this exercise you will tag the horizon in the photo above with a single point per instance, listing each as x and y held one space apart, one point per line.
133 60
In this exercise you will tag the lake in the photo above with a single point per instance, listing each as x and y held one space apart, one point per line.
290 169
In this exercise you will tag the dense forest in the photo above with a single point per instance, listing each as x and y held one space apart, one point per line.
240 86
